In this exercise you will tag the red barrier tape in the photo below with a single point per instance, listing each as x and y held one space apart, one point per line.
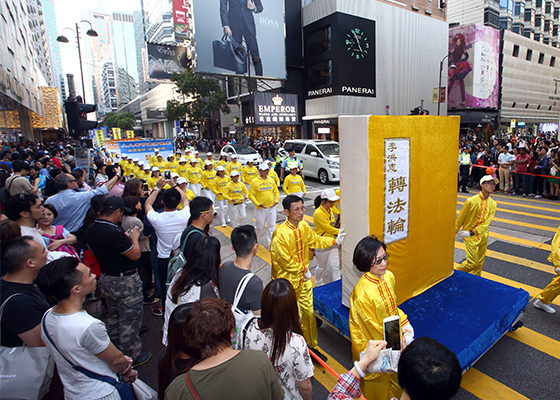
515 172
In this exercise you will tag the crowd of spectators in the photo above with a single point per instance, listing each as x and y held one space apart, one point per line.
68 239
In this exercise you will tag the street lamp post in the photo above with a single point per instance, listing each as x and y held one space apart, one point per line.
439 86
63 39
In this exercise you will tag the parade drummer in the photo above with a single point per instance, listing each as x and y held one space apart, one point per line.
153 158
218 187
372 300
549 293
293 183
472 225
235 192
289 250
324 225
156 174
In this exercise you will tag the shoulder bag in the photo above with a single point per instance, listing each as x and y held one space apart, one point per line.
124 389
26 371
241 316
178 261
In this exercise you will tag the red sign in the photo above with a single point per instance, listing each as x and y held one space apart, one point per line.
442 95
180 11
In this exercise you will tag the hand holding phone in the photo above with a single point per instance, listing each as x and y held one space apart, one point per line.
392 332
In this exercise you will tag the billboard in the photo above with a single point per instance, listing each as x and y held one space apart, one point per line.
142 149
163 60
182 18
276 108
225 29
473 67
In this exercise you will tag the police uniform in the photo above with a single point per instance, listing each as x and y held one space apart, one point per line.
290 260
323 224
476 215
264 191
372 300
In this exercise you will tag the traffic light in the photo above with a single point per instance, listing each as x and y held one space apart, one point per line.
495 122
76 115
424 112
416 111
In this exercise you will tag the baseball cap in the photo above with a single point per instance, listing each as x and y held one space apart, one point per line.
147 166
181 180
174 174
193 160
329 194
234 173
290 149
487 178
208 162
209 153
234 156
115 203
195 152
136 160
156 150
155 169
182 159
220 168
264 167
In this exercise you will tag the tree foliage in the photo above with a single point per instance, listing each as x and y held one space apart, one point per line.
200 95
125 121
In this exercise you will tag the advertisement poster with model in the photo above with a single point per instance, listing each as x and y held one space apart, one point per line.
226 30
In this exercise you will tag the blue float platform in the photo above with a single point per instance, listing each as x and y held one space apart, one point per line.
466 313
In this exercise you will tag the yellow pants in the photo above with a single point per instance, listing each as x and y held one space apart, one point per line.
475 249
383 387
550 292
304 294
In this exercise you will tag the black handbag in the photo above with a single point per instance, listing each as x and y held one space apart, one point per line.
227 55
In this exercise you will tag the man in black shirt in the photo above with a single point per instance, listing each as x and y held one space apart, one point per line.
117 253
22 258
202 215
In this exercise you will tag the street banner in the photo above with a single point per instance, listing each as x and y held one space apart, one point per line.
116 133
143 149
393 205
129 134
99 137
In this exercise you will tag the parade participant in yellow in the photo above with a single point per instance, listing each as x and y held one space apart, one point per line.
222 161
272 173
135 169
172 182
123 163
236 193
198 160
372 300
209 158
293 183
153 158
182 185
160 162
156 174
472 225
234 165
249 173
549 293
290 260
264 194
183 169
336 206
171 164
143 171
208 175
218 188
324 225
128 166
194 177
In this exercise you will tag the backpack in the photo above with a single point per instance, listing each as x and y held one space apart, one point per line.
241 316
178 261
65 247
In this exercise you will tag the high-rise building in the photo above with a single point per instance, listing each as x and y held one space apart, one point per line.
139 40
124 57
51 30
107 88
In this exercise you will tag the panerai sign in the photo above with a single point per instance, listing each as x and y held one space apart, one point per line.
276 108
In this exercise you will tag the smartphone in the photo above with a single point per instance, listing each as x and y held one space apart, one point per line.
145 187
392 332
167 174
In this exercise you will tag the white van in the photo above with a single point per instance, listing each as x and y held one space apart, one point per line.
320 158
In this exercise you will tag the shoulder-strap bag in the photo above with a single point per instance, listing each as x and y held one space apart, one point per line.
178 261
26 372
124 389
191 388
241 316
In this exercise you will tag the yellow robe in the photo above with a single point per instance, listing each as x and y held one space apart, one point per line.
194 175
476 215
372 300
293 184
549 293
323 222
272 174
249 173
289 250
336 206
207 178
218 186
190 196
152 182
263 191
235 192
153 159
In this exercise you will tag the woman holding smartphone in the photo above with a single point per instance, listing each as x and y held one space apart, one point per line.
372 300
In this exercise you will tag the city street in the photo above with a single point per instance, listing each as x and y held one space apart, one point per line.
522 365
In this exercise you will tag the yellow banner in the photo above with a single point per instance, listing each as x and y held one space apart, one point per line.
100 137
116 133
129 134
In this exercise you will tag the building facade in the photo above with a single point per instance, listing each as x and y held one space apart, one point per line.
124 57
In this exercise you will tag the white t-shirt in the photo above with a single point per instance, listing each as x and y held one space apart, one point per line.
34 233
505 158
79 336
167 225
293 366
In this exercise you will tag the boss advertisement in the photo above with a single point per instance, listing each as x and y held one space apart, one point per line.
240 37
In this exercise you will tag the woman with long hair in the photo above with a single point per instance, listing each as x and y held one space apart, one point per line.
372 300
132 187
196 280
156 174
176 360
219 371
278 333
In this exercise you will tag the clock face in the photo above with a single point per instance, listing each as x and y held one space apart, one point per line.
357 43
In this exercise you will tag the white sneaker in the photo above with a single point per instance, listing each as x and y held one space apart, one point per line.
538 196
545 307
228 220
557 270
223 225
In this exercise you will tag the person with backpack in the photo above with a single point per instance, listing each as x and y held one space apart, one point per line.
55 236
